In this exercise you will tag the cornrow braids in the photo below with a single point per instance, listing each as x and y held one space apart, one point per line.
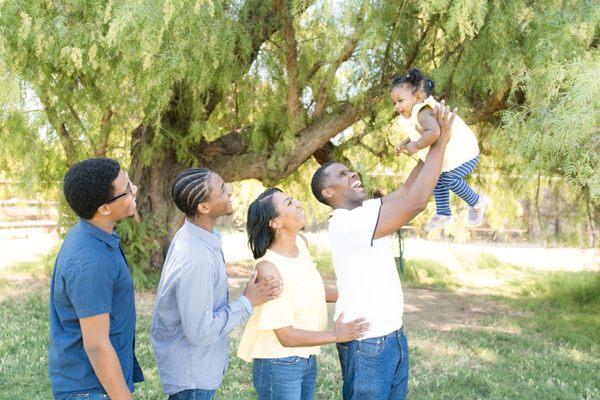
190 188
416 80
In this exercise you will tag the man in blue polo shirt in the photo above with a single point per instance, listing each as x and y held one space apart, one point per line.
92 305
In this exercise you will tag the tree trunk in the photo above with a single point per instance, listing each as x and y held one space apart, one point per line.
228 155
154 204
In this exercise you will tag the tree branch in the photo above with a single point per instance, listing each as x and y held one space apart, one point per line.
260 21
225 157
495 102
291 58
354 140
76 117
68 145
314 69
63 133
328 79
101 147
371 150
413 55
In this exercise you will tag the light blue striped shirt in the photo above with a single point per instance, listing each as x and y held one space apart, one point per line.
192 315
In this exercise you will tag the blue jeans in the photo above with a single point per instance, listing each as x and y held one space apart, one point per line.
193 394
89 396
375 368
287 378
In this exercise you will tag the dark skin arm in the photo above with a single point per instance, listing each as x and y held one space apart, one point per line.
430 131
331 294
289 336
103 357
400 207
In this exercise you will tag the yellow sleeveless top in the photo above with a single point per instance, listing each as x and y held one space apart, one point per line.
301 305
462 146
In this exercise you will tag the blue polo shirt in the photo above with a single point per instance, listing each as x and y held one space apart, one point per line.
90 278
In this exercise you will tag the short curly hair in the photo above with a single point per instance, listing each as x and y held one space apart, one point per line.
89 184
415 79
318 181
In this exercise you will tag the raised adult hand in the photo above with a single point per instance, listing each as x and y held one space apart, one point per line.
445 118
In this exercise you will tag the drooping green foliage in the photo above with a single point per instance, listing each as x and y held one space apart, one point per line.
253 88
557 129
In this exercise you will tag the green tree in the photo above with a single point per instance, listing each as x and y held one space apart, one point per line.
254 89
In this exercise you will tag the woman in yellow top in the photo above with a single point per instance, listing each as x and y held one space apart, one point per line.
283 336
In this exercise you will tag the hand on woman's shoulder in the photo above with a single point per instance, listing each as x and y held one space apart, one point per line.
266 269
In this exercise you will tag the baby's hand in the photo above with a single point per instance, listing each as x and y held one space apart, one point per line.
399 148
411 148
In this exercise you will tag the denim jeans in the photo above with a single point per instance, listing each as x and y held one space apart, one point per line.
287 378
193 394
89 396
375 368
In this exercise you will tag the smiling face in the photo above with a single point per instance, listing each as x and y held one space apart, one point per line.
290 214
343 187
404 98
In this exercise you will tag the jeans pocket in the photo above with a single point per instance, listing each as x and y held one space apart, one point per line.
291 360
371 347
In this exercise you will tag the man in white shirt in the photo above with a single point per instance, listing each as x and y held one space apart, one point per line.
376 366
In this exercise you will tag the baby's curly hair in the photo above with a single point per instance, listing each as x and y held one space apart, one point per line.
416 80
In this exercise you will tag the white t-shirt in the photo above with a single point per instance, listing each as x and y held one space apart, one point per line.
367 279
462 146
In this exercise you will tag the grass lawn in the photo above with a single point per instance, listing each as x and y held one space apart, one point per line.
544 344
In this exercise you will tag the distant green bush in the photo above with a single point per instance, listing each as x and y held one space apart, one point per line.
322 259
427 273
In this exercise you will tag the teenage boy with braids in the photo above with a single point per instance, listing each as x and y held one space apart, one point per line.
192 314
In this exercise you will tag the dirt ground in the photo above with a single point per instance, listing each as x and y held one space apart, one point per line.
423 308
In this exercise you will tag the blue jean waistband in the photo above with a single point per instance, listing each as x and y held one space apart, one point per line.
278 358
396 333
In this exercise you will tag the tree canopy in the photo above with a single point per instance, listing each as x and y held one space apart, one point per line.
255 89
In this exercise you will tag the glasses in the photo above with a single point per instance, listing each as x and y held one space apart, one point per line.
127 191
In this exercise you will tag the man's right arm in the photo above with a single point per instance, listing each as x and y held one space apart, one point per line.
90 289
398 209
103 357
